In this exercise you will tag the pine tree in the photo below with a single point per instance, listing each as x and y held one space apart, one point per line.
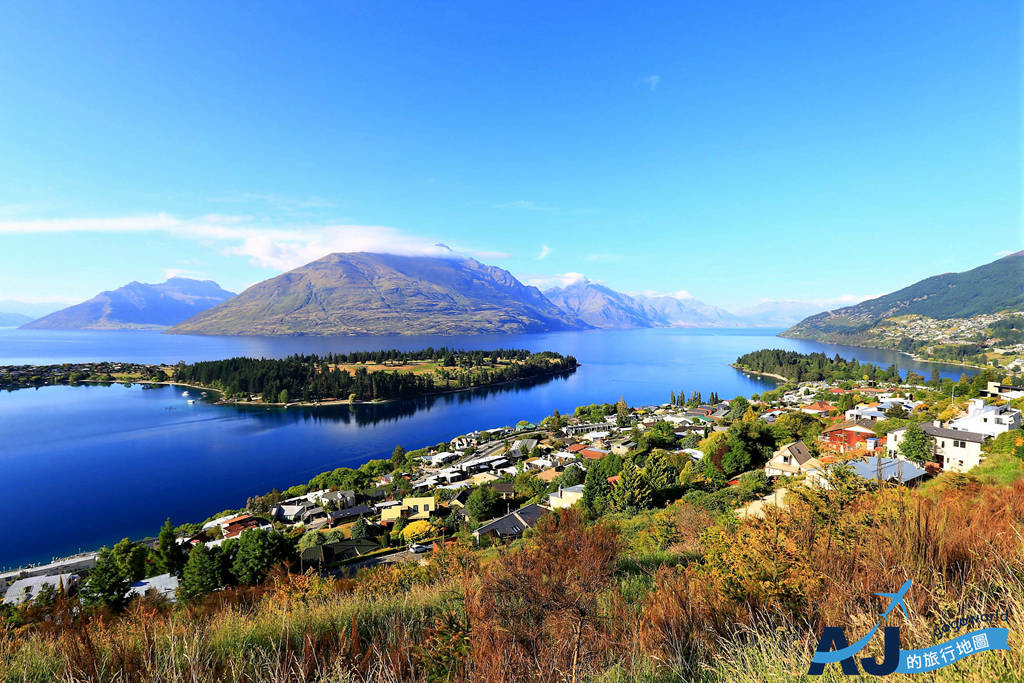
201 574
106 585
596 490
633 492
672 401
621 413
360 529
658 471
170 556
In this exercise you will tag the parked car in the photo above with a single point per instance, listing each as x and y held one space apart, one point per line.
419 548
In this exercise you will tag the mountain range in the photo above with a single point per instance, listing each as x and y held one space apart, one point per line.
364 293
601 307
13 319
991 288
137 306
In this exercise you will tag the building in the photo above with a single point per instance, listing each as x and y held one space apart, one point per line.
565 497
792 459
1005 391
513 524
818 408
413 508
850 435
24 590
165 585
992 420
956 450
877 468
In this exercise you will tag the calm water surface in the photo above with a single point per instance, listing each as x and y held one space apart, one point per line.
84 466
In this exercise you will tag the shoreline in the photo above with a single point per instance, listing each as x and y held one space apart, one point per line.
761 374
882 348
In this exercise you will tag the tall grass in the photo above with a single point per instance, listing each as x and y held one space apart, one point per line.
672 595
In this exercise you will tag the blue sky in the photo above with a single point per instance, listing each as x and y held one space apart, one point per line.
735 151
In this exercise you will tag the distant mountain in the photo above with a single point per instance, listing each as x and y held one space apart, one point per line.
670 311
137 306
13 319
605 308
777 313
599 306
364 293
990 288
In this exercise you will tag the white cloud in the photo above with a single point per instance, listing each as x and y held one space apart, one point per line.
678 294
652 82
269 247
545 251
555 280
1004 252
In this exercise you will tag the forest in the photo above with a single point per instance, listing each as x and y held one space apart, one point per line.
811 367
311 378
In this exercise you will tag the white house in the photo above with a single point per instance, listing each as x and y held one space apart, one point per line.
987 419
957 450
24 590
162 584
792 459
565 497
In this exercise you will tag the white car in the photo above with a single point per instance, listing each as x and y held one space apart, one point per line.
419 548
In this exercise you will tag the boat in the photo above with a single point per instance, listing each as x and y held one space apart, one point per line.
203 394
191 401
184 393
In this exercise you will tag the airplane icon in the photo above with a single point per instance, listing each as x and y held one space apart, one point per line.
896 599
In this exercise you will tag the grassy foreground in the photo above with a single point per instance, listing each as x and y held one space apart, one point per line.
665 595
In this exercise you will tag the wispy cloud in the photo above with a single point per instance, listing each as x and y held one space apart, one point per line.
1004 252
545 251
554 280
277 201
652 82
281 248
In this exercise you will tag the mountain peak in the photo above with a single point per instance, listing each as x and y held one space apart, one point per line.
372 293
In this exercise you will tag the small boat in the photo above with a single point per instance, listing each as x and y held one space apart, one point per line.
184 393
203 394
191 401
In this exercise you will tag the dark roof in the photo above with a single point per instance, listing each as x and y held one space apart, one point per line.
349 513
503 487
514 523
959 434
799 451
339 550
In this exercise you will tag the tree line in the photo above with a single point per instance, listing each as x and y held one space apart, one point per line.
318 378
811 367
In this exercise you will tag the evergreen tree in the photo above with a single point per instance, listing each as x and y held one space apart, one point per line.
201 575
658 471
622 413
130 558
169 555
633 491
481 503
672 401
915 445
360 529
106 585
596 491
258 551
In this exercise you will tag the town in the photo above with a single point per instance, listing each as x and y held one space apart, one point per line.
491 487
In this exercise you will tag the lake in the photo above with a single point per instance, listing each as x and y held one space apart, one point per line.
86 466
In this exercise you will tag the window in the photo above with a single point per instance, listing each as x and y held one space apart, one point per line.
959 444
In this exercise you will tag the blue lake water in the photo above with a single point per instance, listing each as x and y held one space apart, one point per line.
85 466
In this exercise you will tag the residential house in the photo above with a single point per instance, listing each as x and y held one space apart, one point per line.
818 408
27 589
992 420
792 459
565 497
513 524
351 514
623 447
329 553
412 508
592 453
957 450
879 469
504 489
1004 391
850 435
164 585
548 475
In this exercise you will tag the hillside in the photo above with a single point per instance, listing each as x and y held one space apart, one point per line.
991 288
364 293
605 308
137 306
